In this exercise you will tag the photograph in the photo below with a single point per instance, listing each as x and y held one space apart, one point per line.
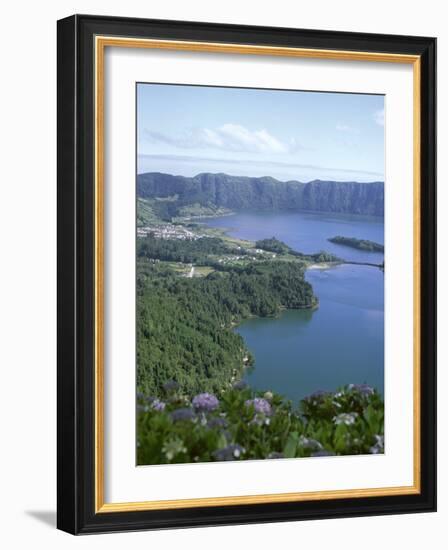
246 274
259 273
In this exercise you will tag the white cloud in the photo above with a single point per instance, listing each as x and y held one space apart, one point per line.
346 128
228 137
266 166
378 116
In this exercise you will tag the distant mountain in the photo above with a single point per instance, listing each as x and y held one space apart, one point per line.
241 193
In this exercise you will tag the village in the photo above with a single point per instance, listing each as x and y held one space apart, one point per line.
168 231
243 252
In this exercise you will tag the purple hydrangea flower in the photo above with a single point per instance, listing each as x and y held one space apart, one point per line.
231 452
205 402
182 415
261 406
363 389
158 405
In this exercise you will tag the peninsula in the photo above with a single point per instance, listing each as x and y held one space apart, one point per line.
360 244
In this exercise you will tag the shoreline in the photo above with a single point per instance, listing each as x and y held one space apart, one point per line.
203 217
356 217
330 265
224 232
323 265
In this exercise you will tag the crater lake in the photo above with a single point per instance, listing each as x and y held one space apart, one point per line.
342 342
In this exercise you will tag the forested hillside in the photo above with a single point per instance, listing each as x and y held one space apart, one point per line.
360 244
184 328
194 285
215 191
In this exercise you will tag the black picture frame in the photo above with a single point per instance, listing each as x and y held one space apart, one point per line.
76 256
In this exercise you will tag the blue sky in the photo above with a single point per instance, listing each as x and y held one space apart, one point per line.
185 130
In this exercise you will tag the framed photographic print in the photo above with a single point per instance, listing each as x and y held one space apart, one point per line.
246 274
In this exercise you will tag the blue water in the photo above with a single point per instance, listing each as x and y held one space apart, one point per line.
341 342
306 232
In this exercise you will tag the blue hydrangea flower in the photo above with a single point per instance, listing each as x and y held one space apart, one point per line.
171 386
317 396
205 402
182 415
324 452
261 406
149 398
217 422
231 452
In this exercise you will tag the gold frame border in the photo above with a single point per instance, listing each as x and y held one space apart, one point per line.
101 42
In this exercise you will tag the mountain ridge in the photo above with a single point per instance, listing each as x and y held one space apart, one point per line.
262 193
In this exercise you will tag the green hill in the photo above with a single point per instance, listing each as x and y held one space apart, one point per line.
171 195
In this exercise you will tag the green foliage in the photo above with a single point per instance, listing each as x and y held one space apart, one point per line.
145 213
281 248
291 445
360 244
213 191
186 251
273 245
185 326
185 333
319 257
248 425
197 210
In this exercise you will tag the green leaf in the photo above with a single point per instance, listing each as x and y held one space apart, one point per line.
291 445
372 419
222 441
